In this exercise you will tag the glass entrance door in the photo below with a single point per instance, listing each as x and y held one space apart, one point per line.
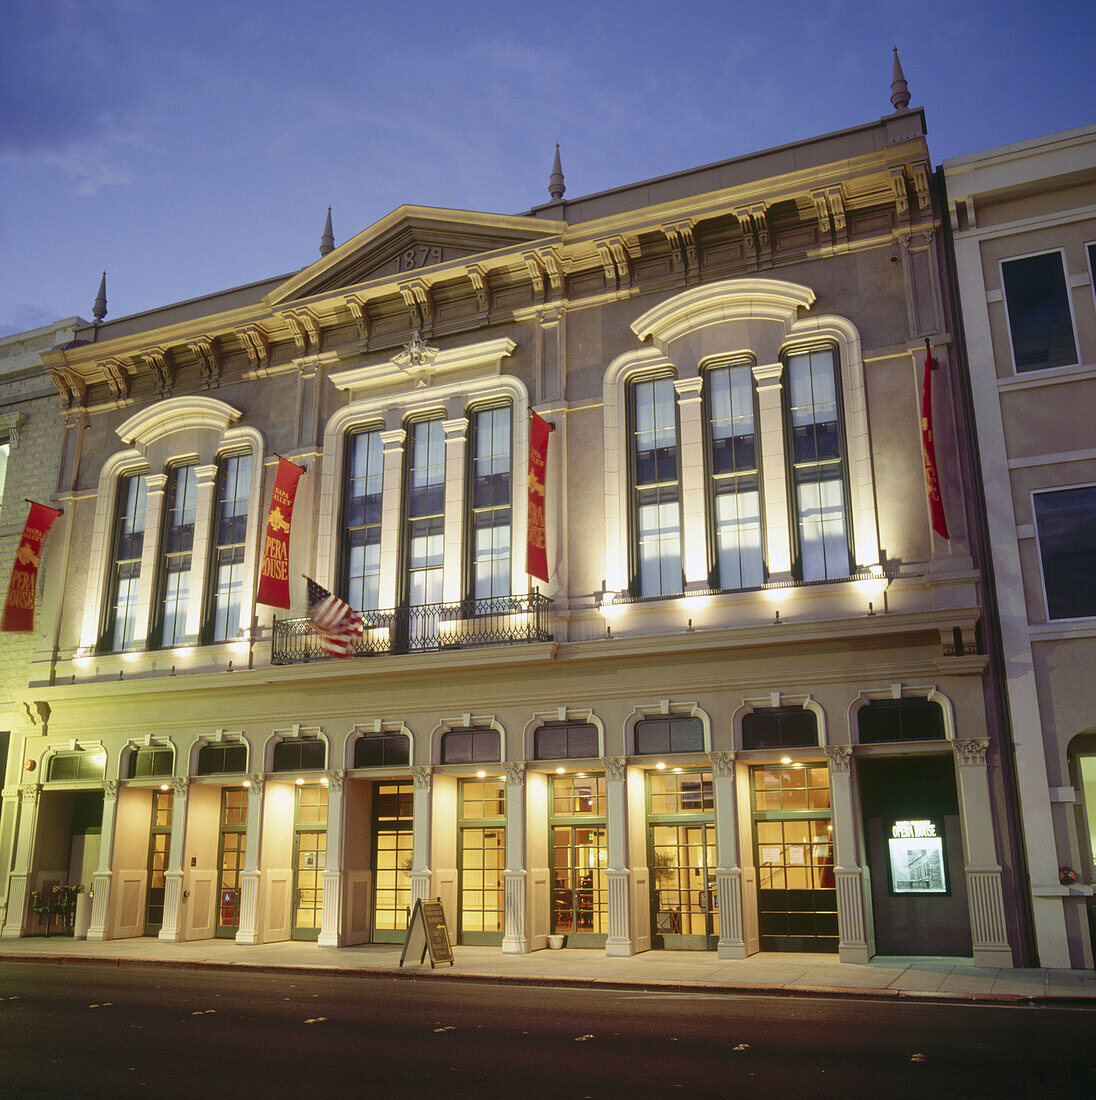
482 860
230 859
393 820
309 860
159 842
793 843
580 895
682 859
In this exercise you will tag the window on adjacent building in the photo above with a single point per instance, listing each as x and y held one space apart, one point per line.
664 735
779 728
381 750
735 499
470 746
656 488
1039 317
150 761
300 754
221 757
425 513
226 582
178 546
489 497
558 742
884 720
817 464
1065 520
129 540
361 543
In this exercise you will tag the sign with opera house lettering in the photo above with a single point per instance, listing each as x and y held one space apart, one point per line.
917 865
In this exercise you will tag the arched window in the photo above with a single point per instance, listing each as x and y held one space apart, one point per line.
884 720
476 745
72 767
150 761
222 757
360 545
664 735
559 741
120 625
489 500
229 536
300 754
381 750
779 728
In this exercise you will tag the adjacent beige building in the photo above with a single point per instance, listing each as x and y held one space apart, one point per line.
1024 220
747 711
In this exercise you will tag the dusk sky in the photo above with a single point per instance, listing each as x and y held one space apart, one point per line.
190 147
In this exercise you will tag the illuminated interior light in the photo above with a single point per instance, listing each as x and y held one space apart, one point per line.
481 775
660 766
164 787
247 782
299 782
560 771
785 760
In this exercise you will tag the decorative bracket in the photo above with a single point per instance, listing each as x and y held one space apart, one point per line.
73 390
549 257
256 343
901 194
160 361
305 330
208 353
919 172
416 296
477 276
118 375
12 423
359 310
682 244
536 272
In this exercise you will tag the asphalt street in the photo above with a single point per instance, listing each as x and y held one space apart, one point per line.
75 1030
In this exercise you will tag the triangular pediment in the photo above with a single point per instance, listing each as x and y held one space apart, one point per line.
412 240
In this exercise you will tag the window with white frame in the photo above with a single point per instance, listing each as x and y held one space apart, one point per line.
734 470
656 487
489 493
817 462
175 564
424 531
229 536
1040 319
120 625
360 548
1065 522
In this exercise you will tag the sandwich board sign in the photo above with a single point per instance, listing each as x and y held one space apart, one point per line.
426 932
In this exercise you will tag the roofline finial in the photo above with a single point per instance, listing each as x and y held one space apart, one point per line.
327 241
900 90
556 186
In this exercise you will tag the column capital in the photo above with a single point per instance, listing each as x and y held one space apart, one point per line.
335 779
971 752
256 781
839 757
515 773
30 792
422 775
110 788
179 785
689 389
723 765
768 374
456 430
615 767
393 440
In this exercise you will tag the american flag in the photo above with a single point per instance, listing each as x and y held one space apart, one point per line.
336 622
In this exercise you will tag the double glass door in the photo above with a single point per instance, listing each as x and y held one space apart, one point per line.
482 860
580 894
309 860
393 819
230 859
159 844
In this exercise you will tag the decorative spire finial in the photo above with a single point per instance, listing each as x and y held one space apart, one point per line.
900 90
327 241
555 181
99 310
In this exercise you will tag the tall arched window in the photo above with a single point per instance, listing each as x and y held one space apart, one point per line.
425 513
229 538
120 627
175 563
360 546
489 492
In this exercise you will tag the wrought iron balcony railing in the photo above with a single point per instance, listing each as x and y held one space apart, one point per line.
500 620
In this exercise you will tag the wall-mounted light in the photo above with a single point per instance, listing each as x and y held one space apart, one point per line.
481 775
560 771
299 782
660 766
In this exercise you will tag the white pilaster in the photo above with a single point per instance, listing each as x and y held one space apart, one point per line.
248 931
774 489
984 897
171 930
101 879
19 888
515 940
331 919
854 939
155 485
393 442
728 872
694 504
456 444
205 478
422 808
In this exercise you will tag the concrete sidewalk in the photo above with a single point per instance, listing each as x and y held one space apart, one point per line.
767 972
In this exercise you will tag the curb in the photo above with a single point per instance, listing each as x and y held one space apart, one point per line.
543 981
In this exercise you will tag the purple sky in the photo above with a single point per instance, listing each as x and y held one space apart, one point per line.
190 147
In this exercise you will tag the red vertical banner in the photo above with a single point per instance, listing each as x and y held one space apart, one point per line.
536 550
274 574
932 482
19 606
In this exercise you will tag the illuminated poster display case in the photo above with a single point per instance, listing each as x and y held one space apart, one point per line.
918 865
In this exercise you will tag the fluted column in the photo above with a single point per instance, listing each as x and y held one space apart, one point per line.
172 930
101 879
515 940
423 806
728 872
984 896
855 941
331 919
617 874
248 932
19 886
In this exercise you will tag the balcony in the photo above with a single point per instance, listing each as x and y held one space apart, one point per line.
501 620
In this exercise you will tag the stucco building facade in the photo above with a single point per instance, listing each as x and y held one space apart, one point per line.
746 712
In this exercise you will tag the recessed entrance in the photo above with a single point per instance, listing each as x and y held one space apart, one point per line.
393 820
230 859
482 860
309 860
580 896
159 843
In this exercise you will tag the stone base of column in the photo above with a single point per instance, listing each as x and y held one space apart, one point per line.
619 941
12 928
515 941
853 945
100 905
331 934
728 884
171 931
248 933
987 917
420 886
